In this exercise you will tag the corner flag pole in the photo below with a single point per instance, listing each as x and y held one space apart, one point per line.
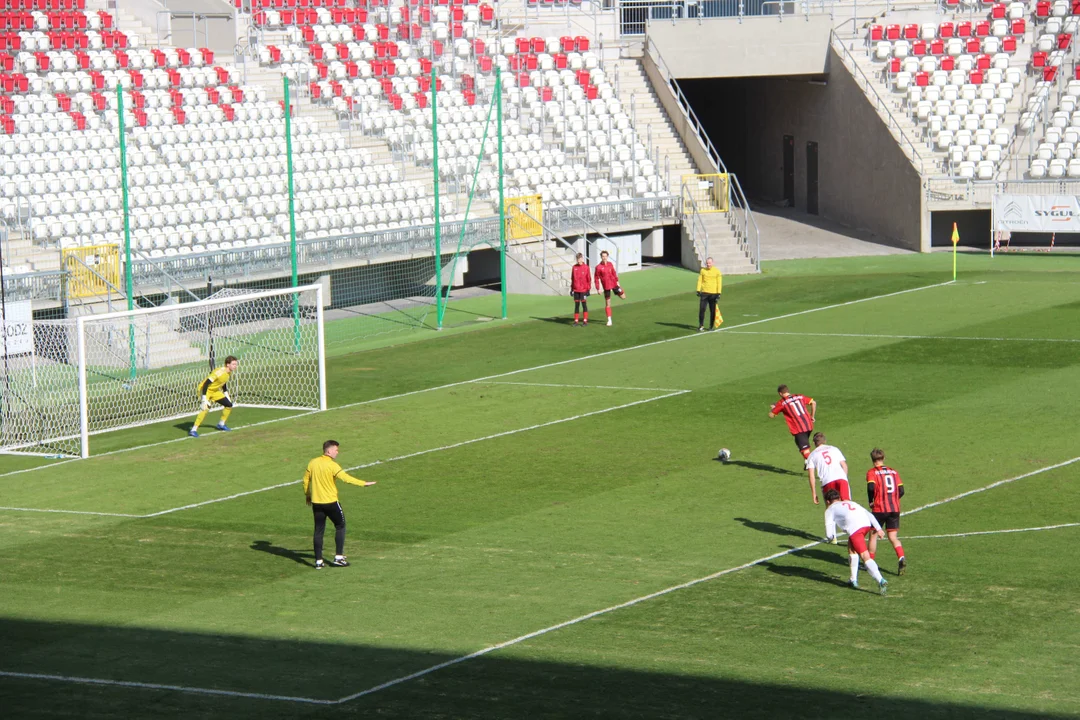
955 241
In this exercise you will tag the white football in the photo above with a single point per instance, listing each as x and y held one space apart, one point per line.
724 455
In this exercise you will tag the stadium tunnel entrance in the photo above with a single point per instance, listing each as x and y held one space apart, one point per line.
813 142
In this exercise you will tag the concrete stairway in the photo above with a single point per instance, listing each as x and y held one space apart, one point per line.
644 108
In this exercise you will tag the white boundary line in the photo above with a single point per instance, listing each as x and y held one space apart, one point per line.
418 453
736 331
520 638
991 532
991 486
585 387
507 374
156 686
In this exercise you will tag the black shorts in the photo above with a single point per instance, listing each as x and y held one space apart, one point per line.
889 521
328 511
802 440
617 290
225 402
580 297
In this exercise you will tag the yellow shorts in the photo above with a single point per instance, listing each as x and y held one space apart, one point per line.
216 396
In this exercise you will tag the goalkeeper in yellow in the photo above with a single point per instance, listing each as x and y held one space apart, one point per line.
320 491
214 390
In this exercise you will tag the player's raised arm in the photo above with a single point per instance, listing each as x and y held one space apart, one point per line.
346 477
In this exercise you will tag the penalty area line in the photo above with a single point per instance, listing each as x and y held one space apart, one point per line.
991 532
877 336
418 453
499 646
665 591
545 366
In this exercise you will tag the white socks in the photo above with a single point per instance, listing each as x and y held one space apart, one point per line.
872 568
854 560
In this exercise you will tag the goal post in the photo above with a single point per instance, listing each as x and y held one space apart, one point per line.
86 381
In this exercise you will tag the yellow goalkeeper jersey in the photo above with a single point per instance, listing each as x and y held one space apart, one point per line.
319 480
215 381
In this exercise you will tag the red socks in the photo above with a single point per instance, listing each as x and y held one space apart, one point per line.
805 453
899 551
872 555
585 315
575 317
608 311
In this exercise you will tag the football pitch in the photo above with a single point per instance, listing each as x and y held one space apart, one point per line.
551 535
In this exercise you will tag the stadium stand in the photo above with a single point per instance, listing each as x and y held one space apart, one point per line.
206 148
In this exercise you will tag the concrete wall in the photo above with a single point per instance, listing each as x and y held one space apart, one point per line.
865 180
722 47
217 31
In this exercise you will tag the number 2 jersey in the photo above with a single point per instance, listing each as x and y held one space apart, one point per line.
849 517
884 489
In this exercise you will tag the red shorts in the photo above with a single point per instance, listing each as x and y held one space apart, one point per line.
857 542
840 486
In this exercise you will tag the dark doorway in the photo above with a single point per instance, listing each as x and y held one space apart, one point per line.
811 178
789 170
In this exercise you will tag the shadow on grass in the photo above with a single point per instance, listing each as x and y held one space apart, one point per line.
836 557
775 529
803 572
681 326
304 558
764 467
557 320
496 685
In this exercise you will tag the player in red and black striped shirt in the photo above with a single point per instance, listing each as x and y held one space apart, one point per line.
884 489
799 412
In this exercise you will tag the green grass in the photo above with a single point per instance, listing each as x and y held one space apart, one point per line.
466 546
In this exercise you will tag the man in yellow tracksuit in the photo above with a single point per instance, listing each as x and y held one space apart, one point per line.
708 290
320 490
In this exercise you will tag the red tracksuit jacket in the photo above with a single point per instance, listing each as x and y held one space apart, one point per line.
606 276
580 278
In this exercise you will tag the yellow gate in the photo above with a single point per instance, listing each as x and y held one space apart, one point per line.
91 270
524 216
709 192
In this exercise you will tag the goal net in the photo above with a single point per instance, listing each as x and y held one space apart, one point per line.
100 373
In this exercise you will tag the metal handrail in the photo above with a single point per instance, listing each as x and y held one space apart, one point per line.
695 225
684 105
543 238
584 221
749 230
172 280
102 278
879 104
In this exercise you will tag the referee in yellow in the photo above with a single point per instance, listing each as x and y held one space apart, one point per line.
708 290
320 490
214 390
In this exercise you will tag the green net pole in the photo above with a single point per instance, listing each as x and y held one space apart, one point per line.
439 309
502 209
128 284
292 213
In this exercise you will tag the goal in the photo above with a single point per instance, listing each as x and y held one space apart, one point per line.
98 373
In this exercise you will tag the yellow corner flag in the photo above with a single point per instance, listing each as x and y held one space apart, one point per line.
955 241
718 319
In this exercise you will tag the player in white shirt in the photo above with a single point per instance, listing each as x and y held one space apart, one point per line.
858 523
830 466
